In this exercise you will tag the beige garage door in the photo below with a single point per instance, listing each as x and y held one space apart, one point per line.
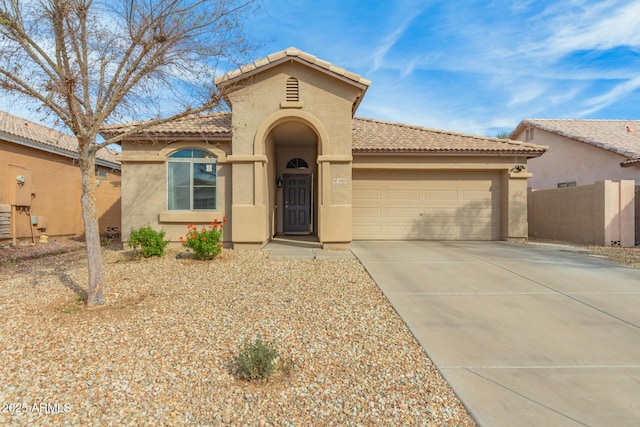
391 205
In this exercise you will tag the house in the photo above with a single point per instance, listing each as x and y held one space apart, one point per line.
40 183
291 158
601 159
582 151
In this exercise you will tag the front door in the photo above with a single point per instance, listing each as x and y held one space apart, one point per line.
297 204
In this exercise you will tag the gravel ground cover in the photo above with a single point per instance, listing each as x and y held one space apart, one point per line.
160 352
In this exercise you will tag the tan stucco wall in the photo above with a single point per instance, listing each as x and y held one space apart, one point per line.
144 189
53 189
569 160
601 214
257 108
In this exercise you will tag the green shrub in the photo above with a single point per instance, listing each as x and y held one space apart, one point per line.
149 240
206 243
256 360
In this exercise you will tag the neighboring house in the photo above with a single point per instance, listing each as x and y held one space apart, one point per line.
290 158
601 159
40 183
582 151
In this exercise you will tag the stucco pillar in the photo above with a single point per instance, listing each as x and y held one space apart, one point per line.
515 195
248 211
335 210
619 213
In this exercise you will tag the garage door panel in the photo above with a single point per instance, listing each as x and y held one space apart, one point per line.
426 206
367 194
440 195
364 213
476 195
401 213
367 231
403 195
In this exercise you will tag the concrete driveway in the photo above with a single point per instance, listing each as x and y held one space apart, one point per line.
527 335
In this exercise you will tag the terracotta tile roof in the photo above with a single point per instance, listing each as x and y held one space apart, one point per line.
47 139
368 136
619 136
212 125
380 136
289 53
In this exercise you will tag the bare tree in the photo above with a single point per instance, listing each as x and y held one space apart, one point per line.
95 62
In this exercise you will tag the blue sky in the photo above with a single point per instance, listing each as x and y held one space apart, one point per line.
468 66
471 66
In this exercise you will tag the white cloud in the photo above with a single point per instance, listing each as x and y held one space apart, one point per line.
600 25
526 93
617 93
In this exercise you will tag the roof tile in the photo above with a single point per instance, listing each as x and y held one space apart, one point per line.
45 136
291 52
212 124
369 135
618 136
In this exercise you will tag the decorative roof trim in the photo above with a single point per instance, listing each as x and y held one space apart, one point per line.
295 54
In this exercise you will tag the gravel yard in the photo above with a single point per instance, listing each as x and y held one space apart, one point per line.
161 351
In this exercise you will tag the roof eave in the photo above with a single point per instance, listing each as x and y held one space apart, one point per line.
171 136
53 150
630 163
518 129
528 154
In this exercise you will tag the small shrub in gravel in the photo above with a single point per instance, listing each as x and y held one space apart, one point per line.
150 241
256 360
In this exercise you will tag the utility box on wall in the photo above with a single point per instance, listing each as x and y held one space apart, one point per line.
20 185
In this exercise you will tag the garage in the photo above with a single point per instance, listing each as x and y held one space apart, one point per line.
412 205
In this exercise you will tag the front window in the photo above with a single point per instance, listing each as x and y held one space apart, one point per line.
191 183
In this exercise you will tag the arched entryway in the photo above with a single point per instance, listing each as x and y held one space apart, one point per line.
292 178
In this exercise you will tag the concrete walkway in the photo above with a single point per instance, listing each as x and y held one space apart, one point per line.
527 335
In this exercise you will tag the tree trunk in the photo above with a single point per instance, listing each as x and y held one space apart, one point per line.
89 214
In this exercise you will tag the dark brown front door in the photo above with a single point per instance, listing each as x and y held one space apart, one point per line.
297 203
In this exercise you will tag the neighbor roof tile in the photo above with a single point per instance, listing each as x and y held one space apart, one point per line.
47 138
619 136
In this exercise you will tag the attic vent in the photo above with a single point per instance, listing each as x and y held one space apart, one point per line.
292 90
528 134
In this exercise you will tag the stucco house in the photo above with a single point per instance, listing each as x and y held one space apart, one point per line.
40 183
291 158
585 188
582 152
